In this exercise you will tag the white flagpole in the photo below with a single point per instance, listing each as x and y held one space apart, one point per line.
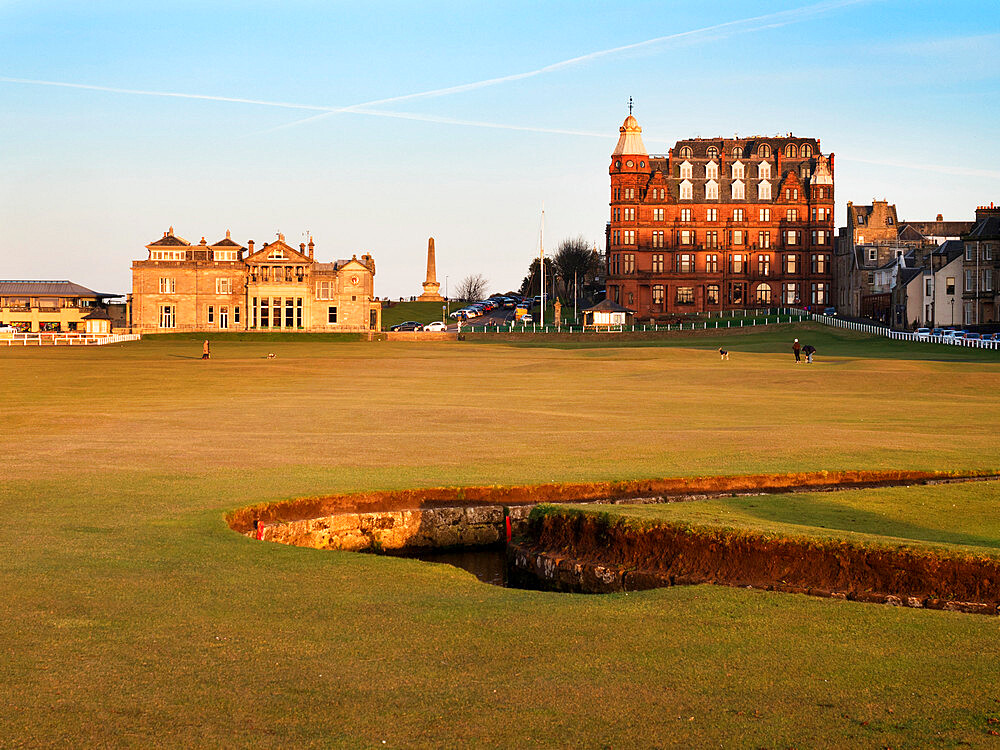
541 263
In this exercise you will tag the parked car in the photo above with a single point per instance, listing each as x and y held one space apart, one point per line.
923 332
972 336
526 318
830 311
937 332
409 325
435 325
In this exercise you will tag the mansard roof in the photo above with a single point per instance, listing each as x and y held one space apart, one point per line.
169 240
987 228
49 289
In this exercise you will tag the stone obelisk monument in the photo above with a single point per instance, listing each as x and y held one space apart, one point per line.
431 285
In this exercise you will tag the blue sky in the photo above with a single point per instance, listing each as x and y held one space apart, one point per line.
903 92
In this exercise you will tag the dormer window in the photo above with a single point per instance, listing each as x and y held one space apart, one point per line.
711 171
713 152
764 171
764 191
791 150
686 152
739 190
738 171
888 220
806 150
861 220
737 152
686 192
711 190
686 171
764 151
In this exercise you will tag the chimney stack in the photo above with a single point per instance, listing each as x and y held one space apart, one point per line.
249 247
311 246
302 248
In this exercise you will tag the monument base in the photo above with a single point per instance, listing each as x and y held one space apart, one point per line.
430 292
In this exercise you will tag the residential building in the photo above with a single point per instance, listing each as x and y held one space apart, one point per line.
719 224
980 268
225 286
51 306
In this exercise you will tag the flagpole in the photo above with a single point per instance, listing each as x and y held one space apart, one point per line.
541 263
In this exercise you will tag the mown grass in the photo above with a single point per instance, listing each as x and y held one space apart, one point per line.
131 615
956 517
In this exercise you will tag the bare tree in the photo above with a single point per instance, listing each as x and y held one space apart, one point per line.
472 287
575 258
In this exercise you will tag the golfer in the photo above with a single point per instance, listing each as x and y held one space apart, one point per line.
796 348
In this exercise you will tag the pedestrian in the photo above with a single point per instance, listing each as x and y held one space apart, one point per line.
796 348
809 350
723 354
205 350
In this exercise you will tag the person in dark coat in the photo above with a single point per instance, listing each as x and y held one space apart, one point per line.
809 350
796 348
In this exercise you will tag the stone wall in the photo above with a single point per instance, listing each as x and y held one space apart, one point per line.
425 528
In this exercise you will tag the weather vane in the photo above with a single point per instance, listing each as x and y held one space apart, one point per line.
630 105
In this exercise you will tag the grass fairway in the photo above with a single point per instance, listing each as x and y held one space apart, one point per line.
131 615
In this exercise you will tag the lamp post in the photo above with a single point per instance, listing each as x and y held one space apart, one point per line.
953 312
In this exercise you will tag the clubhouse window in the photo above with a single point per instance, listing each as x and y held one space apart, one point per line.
685 295
331 314
167 316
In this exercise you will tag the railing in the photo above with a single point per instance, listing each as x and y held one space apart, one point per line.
697 325
67 339
878 330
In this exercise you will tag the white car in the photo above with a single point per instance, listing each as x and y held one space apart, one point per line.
435 325
923 333
526 319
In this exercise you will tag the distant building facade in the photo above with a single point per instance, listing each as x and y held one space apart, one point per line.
54 306
719 224
225 286
981 265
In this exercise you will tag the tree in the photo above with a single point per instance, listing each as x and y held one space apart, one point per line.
472 287
575 260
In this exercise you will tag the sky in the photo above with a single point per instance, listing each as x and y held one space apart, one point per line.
373 126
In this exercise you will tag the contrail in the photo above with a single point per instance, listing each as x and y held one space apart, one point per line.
958 171
773 20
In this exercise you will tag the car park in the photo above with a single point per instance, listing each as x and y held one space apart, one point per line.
409 325
436 325
937 332
922 333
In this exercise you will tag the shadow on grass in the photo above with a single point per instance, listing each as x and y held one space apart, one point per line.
823 512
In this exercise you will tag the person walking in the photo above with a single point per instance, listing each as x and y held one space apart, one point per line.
205 351
796 349
809 350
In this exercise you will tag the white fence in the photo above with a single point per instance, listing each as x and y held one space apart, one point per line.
67 339
903 335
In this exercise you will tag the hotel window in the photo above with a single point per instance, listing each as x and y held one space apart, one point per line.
685 214
616 214
737 152
657 262
737 293
820 263
616 237
686 190
628 262
686 152
711 190
791 263
791 194
739 214
764 151
820 214
712 294
167 286
763 239
331 314
791 150
657 214
804 171
628 214
629 236
806 151
792 214
658 294
764 190
211 313
820 292
765 214
737 263
791 237
658 238
167 313
685 262
711 239
763 171
791 294
821 237
685 237
711 171
736 237
223 317
763 294
616 194
739 190
712 263
223 286
711 214
764 265
713 152
739 171
686 171
685 295
629 192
